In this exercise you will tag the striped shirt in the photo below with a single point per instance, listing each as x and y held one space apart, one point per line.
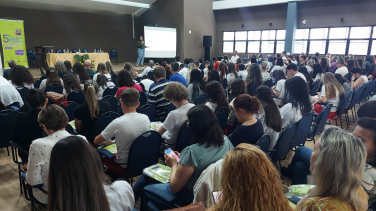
156 98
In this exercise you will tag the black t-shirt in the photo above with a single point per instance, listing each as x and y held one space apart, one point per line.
82 113
247 134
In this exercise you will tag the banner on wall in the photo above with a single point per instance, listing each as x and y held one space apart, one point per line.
13 41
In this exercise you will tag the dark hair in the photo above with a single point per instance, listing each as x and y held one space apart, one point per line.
204 127
52 77
217 95
11 63
249 103
177 58
254 75
102 80
222 69
197 63
71 82
315 59
215 59
279 61
213 75
79 70
164 64
237 88
239 61
35 98
175 66
130 97
296 57
232 69
253 60
191 60
350 64
241 66
186 61
159 72
140 37
368 109
304 57
200 60
197 83
271 60
68 65
20 76
76 177
297 93
181 66
272 115
369 124
278 75
324 63
225 58
355 70
317 69
124 78
360 63
292 66
53 117
340 61
317 54
304 71
340 78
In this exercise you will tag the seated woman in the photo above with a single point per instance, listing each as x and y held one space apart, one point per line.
357 78
278 65
110 69
213 75
331 93
238 190
87 113
178 94
75 166
303 70
53 120
297 99
196 85
251 130
80 73
208 146
101 69
20 77
222 68
232 74
317 72
217 97
264 67
52 78
103 84
279 88
128 66
344 82
269 115
60 68
336 188
125 81
237 88
68 66
71 83
254 79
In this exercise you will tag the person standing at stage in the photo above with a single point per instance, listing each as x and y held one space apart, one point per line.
140 51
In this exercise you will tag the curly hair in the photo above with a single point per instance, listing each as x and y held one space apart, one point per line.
248 103
217 95
124 78
176 91
78 69
71 83
20 76
60 67
254 74
297 93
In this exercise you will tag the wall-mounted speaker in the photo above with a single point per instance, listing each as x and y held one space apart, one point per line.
208 41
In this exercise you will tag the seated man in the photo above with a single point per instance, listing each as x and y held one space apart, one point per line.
125 129
11 64
179 95
156 94
87 66
176 75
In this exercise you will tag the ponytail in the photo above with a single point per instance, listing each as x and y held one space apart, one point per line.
91 89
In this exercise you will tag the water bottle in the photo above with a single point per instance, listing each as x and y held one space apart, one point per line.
64 50
79 50
95 50
52 50
67 50
100 50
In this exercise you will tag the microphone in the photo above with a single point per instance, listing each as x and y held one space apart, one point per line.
41 38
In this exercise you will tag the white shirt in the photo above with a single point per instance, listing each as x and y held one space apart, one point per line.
120 196
107 75
174 121
243 74
206 72
29 86
289 115
184 73
281 88
230 78
101 89
213 106
39 162
276 67
334 102
43 85
234 59
267 130
309 69
342 70
299 74
365 79
126 129
147 83
145 72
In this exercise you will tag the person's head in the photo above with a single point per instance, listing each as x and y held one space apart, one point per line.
191 60
175 67
256 180
87 64
235 53
128 66
91 89
225 58
332 86
60 67
197 81
340 63
340 78
246 106
141 38
204 127
356 72
181 66
264 66
52 76
279 61
271 59
317 54
76 177
109 68
291 70
239 61
215 59
130 100
71 83
324 62
310 63
102 81
359 61
241 67
366 131
197 64
186 61
297 93
124 78
36 98
316 59
368 109
278 75
213 75
237 88
164 64
68 66
254 74
302 58
232 69
78 69
253 60
222 69
296 58
159 73
20 76
207 63
350 64
177 58
370 59
317 69
151 63
101 68
216 94
304 71
12 63
52 118
191 66
200 60
176 92
272 115
337 164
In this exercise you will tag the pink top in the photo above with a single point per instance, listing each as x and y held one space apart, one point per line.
135 86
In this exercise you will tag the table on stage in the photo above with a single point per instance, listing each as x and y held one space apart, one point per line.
54 57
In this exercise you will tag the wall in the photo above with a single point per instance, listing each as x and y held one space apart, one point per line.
78 30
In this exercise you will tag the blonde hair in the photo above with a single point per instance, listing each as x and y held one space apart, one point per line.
250 182
110 68
331 86
191 66
339 167
128 66
265 66
101 68
310 63
91 88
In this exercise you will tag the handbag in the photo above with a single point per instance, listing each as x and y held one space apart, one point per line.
56 98
192 207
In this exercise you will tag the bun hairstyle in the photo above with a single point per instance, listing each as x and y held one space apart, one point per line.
248 103
91 89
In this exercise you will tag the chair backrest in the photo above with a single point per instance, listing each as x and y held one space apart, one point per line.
361 93
143 153
344 104
143 87
151 75
367 90
113 78
77 96
222 116
315 87
113 53
42 78
7 119
268 82
23 93
302 130
148 110
37 84
143 98
354 98
282 147
112 100
309 84
184 138
251 90
59 51
97 50
69 108
102 122
54 88
224 83
321 120
74 50
264 143
110 91
201 99
83 51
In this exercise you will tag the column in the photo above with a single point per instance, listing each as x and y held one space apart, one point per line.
291 23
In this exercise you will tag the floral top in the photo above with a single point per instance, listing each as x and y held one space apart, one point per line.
369 183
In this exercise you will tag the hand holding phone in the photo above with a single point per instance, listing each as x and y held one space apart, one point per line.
172 154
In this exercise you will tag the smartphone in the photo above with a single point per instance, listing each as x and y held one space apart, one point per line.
294 199
216 196
171 153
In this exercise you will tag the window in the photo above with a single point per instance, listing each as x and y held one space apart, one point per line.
320 33
254 35
300 47
317 46
240 35
280 46
228 47
253 46
301 34
268 35
373 50
241 46
267 47
228 36
337 46
339 33
358 47
281 35
374 34
360 32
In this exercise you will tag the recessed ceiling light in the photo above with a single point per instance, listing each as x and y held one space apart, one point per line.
126 3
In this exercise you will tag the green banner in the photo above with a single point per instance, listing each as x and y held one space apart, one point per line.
13 41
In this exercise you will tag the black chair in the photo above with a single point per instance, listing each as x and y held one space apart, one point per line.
28 192
201 99
319 124
170 108
224 83
54 88
342 108
251 90
42 78
315 87
302 130
357 94
69 108
143 98
23 92
15 147
75 51
222 116
110 91
282 146
148 110
102 122
114 55
142 86
83 51
184 138
112 100
151 75
59 51
37 84
264 143
7 120
113 78
77 96
268 82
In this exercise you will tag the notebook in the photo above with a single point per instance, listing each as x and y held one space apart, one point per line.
158 172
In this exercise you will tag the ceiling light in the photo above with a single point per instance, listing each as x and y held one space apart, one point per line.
126 3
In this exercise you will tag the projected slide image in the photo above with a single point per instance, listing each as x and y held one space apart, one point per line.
160 42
